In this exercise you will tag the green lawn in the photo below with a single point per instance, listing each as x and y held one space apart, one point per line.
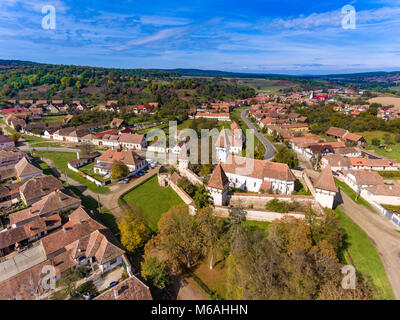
33 139
48 144
365 256
61 160
53 118
392 151
88 169
153 200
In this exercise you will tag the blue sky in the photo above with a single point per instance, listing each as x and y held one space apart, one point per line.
269 36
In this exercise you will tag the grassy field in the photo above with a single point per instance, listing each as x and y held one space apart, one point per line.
53 118
153 200
386 101
365 256
48 144
267 85
61 159
33 139
392 151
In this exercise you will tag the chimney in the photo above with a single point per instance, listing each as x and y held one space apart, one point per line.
30 211
64 229
115 293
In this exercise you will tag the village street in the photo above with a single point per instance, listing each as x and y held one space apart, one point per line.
269 147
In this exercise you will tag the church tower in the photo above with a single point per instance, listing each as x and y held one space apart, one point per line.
222 146
325 188
218 186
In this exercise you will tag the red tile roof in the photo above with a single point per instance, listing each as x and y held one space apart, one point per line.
218 179
325 180
129 289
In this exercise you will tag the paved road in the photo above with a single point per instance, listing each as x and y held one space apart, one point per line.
269 148
382 233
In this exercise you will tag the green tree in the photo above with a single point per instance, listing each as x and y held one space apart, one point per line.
119 170
155 272
202 197
15 137
376 141
133 230
286 155
211 229
178 236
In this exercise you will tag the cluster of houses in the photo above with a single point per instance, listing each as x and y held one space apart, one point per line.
50 227
357 167
388 113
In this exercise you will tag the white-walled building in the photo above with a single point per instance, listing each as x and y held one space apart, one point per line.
361 179
325 188
258 175
218 186
228 144
383 194
133 161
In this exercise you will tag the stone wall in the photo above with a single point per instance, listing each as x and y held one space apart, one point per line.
191 176
184 196
258 201
257 215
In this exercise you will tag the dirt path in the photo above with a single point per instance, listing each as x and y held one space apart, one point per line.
382 233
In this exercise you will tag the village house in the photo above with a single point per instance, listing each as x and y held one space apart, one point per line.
383 194
132 141
36 188
55 202
25 170
158 146
83 161
132 160
321 149
296 127
129 289
19 237
62 134
224 116
350 152
110 140
86 241
143 108
345 135
52 109
6 142
10 191
116 123
361 179
336 162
